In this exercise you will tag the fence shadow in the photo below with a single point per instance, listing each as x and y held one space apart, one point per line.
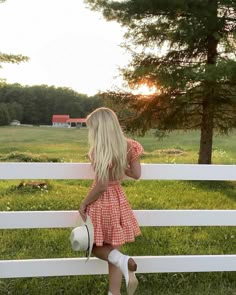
227 187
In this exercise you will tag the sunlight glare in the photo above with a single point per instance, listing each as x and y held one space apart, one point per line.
144 89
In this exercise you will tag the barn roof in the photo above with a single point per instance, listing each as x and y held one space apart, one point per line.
60 118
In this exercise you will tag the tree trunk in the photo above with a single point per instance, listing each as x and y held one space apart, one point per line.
207 124
205 152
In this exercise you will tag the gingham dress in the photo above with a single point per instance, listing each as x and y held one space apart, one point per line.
111 214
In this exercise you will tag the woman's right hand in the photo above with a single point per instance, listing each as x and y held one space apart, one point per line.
82 211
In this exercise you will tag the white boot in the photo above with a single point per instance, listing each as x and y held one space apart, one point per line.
120 260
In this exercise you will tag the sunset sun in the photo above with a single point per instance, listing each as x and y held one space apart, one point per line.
144 89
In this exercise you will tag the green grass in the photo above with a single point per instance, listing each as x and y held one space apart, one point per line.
70 145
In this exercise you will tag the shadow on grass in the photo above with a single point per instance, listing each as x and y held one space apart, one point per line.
227 187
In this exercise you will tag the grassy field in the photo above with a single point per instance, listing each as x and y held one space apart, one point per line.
70 145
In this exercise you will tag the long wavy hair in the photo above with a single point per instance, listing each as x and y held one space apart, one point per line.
108 145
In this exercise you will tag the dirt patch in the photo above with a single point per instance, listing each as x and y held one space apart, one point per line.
166 152
170 151
33 184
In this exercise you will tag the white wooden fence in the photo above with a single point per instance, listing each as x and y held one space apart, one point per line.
146 264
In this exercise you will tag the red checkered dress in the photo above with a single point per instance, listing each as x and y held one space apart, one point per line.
111 214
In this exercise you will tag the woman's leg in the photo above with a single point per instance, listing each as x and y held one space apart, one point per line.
127 266
102 252
115 279
115 275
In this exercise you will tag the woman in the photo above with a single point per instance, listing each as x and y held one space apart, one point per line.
113 156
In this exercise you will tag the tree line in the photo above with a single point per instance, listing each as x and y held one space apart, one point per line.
36 104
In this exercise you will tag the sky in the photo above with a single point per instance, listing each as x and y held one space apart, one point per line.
68 45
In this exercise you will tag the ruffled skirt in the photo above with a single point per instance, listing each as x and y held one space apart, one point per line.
113 219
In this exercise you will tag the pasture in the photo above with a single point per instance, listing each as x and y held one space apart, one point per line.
70 145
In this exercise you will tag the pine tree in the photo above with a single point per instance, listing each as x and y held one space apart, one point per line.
196 75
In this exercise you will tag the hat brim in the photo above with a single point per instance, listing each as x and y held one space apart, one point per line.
89 225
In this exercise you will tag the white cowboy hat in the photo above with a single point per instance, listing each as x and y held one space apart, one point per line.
82 237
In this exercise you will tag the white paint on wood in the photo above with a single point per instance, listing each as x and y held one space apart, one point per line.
85 171
146 264
46 171
62 219
189 172
186 217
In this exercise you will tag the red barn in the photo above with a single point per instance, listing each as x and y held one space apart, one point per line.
60 120
66 121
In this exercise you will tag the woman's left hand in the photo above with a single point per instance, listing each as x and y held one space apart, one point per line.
82 211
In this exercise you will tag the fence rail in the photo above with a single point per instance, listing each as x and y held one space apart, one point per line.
66 219
146 264
84 171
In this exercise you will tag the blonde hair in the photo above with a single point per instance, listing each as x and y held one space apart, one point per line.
108 145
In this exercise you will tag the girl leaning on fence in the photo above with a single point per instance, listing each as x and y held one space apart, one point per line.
112 156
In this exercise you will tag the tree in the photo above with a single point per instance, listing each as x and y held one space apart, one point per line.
196 75
15 111
10 58
4 114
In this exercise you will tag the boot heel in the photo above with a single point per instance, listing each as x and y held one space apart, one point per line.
133 283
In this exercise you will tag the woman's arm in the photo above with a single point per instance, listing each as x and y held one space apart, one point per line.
134 169
99 188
